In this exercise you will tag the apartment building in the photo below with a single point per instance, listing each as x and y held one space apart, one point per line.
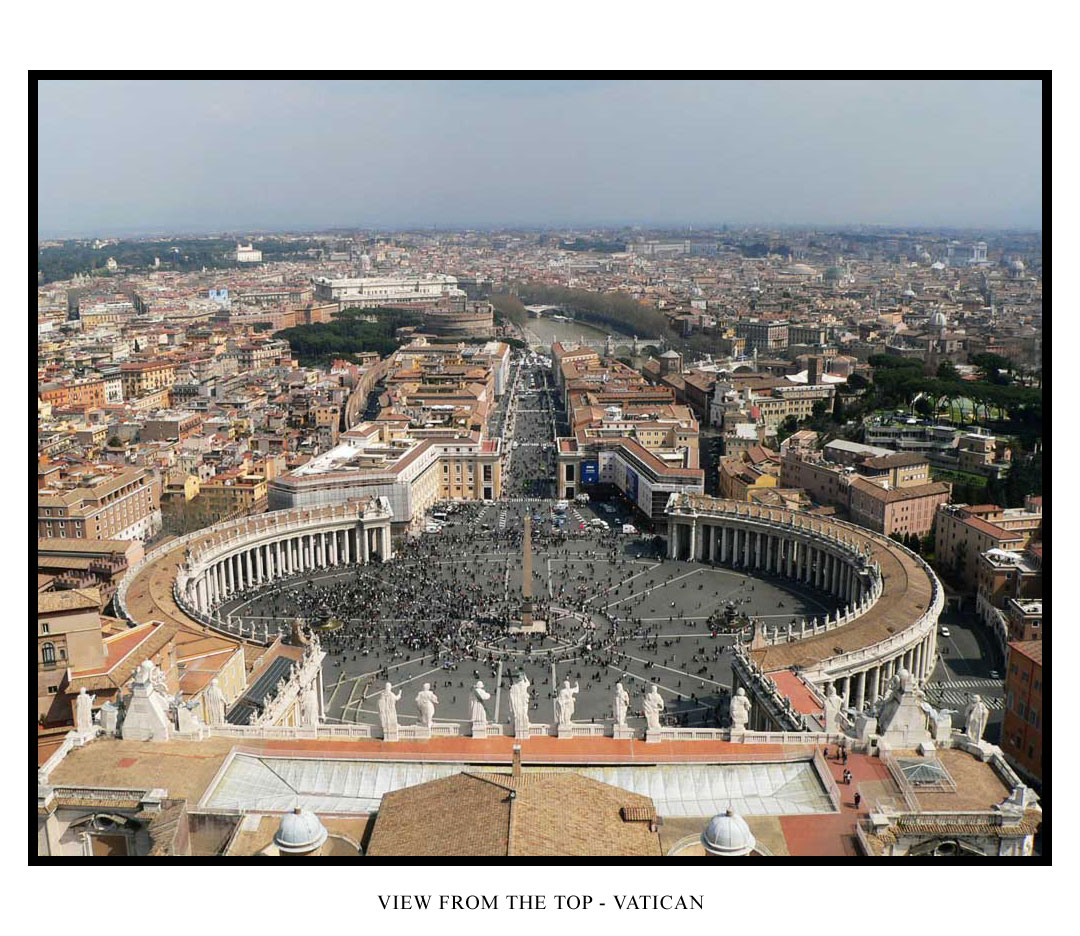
962 533
764 336
98 502
139 378
1021 729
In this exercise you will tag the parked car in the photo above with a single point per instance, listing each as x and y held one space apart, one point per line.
945 632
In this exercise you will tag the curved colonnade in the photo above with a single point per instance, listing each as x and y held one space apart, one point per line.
185 581
894 598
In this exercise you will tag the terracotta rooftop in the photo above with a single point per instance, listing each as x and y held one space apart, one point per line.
71 599
1032 649
499 814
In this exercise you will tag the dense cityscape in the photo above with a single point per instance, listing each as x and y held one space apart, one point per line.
697 541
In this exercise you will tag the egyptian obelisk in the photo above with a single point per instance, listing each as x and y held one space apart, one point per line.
526 573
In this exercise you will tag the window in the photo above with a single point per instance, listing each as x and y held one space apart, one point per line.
45 627
48 653
53 690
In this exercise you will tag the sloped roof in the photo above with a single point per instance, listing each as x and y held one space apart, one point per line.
499 814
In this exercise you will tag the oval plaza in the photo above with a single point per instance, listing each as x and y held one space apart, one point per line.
670 733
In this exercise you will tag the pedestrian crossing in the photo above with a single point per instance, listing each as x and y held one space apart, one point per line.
959 699
503 517
979 683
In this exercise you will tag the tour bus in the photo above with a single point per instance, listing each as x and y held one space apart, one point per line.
561 507
439 516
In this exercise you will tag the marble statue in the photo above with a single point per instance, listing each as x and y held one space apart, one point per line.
977 715
519 704
426 700
144 673
477 712
309 706
654 705
621 703
84 708
740 710
388 701
157 679
833 704
564 704
215 703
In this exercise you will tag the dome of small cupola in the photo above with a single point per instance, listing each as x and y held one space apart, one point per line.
728 835
300 832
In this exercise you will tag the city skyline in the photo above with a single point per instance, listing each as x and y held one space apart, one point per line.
922 154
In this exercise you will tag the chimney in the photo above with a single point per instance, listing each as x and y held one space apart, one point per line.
515 770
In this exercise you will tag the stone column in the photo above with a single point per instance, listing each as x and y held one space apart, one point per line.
725 544
693 541
200 594
757 544
860 690
258 565
388 543
874 677
333 548
847 691
246 580
367 548
228 576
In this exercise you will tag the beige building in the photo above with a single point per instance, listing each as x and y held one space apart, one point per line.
962 533
100 503
143 377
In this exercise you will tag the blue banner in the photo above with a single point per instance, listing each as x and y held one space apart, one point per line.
631 484
590 472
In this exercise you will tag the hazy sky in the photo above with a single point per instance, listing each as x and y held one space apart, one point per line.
141 156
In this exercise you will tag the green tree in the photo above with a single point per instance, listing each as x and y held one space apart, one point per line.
947 371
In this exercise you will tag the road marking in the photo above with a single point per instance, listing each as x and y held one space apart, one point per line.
649 591
680 672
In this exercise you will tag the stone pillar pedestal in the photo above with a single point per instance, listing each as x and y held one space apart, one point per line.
565 731
391 734
623 733
652 737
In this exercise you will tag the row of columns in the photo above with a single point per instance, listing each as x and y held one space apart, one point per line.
870 684
743 547
291 555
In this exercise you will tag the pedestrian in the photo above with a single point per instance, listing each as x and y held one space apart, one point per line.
826 752
858 799
845 756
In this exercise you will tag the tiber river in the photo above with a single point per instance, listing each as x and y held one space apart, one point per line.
547 330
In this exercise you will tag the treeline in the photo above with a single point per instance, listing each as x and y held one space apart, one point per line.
181 254
510 307
901 381
348 334
593 246
618 310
